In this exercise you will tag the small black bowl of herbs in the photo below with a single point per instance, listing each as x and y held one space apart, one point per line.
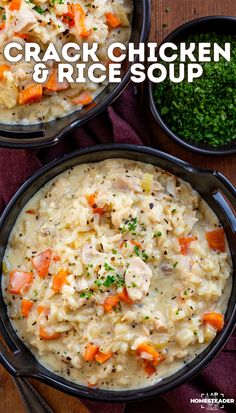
201 115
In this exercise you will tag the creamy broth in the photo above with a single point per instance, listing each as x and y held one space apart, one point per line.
59 22
116 274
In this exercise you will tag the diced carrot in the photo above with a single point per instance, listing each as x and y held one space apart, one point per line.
113 20
30 94
52 84
45 335
26 306
92 203
184 244
2 25
59 280
149 349
90 352
216 320
15 5
56 258
4 68
20 282
156 361
124 296
80 17
31 211
83 99
136 243
42 262
43 310
98 211
91 384
102 357
110 302
22 36
91 200
216 239
149 369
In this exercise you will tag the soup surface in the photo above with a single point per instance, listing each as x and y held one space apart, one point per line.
116 274
59 22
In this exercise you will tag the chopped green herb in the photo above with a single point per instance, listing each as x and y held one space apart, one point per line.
203 111
39 9
98 283
129 225
144 256
175 264
109 281
108 267
86 294
157 234
136 250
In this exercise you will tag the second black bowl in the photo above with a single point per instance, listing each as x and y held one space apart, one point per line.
213 24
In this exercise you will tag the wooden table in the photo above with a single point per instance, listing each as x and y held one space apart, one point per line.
166 15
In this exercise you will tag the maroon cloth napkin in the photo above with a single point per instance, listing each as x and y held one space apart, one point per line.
123 122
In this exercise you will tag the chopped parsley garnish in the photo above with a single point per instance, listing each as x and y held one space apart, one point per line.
109 281
136 250
39 9
130 225
57 1
119 279
144 256
157 234
202 112
86 294
175 264
112 279
98 283
108 267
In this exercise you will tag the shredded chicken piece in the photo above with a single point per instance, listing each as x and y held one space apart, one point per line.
138 279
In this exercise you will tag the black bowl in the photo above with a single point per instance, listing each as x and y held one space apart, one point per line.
50 133
218 24
210 184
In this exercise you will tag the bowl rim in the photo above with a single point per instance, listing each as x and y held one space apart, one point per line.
99 394
229 148
56 134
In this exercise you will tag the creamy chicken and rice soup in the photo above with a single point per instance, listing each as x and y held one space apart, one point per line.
59 22
116 274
